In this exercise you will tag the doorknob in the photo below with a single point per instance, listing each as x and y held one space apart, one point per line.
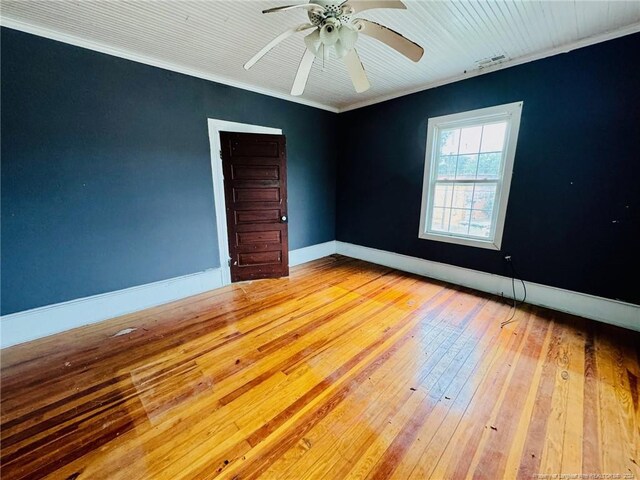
283 219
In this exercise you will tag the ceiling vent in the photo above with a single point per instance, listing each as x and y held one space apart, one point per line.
491 61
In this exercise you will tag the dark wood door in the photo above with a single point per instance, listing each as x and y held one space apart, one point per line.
255 189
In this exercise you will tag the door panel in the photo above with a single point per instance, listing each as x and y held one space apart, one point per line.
259 258
255 184
262 148
256 194
258 237
257 216
242 172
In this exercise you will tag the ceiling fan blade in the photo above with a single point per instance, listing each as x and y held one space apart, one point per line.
303 73
306 6
356 71
406 47
362 5
275 42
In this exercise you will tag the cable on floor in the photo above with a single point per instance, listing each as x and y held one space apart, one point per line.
514 276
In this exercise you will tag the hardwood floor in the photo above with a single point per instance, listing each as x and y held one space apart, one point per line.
343 370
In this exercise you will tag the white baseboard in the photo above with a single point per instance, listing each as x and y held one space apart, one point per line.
313 252
40 322
601 309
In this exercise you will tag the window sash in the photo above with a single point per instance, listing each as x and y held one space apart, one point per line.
496 202
434 180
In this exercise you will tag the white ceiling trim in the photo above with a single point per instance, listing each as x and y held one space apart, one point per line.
585 42
155 62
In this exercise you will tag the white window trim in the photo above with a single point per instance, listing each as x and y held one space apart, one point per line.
513 112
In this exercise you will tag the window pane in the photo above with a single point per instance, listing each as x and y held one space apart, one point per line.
470 139
493 137
442 195
440 219
459 221
449 140
462 195
467 167
480 224
446 166
484 197
489 165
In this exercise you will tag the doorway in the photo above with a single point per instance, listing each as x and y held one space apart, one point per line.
260 195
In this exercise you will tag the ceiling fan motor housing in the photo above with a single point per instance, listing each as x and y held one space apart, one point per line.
340 11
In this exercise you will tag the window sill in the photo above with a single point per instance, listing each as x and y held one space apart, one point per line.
469 242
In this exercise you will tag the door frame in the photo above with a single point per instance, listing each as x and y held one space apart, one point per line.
215 127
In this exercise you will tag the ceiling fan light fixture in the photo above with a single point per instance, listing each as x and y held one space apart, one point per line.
312 41
348 37
330 32
334 27
339 49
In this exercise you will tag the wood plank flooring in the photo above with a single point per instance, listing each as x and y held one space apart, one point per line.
343 370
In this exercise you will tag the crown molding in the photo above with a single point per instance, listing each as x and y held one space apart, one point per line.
147 60
585 42
154 62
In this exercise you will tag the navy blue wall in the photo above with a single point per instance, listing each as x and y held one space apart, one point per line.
572 219
106 176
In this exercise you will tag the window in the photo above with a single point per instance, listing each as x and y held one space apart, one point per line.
467 175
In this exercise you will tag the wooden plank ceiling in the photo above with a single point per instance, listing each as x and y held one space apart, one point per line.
214 38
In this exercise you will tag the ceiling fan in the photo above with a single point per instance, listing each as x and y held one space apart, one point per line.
336 29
